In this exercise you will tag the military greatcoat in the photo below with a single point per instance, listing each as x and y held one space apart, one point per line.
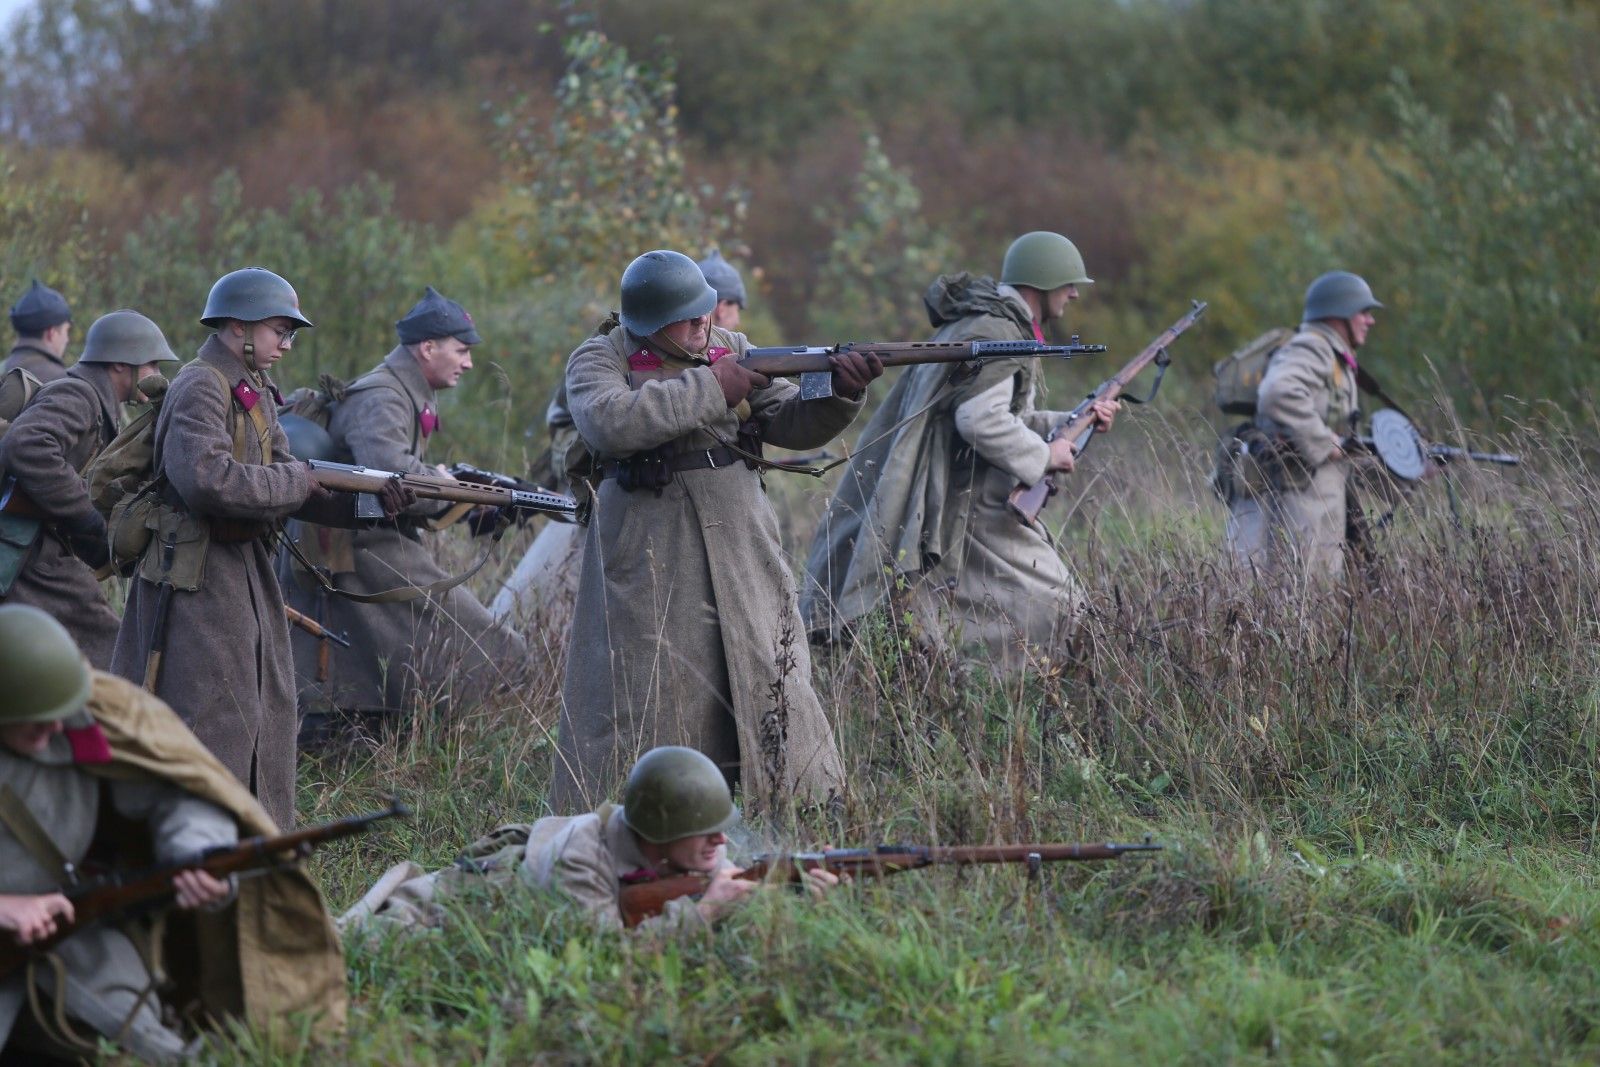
46 449
686 629
436 646
926 505
228 669
1307 396
45 366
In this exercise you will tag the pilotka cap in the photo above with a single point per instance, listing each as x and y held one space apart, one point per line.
40 308
436 316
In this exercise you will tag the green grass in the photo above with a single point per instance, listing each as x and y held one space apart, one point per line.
1378 802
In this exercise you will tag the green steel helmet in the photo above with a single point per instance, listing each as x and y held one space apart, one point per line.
126 337
307 440
43 676
250 295
675 792
1044 260
1338 294
663 287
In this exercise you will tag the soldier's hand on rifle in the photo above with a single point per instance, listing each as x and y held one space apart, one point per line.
200 889
818 880
486 520
724 893
853 372
1063 456
33 918
1105 413
736 382
395 497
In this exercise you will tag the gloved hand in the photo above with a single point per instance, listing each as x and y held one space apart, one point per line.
395 497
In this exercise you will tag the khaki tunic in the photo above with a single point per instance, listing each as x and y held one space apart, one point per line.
46 449
927 505
446 646
686 630
228 669
45 366
1307 395
272 951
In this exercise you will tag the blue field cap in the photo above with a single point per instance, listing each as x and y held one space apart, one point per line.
436 316
40 308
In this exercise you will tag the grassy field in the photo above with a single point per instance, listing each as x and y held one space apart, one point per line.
1378 802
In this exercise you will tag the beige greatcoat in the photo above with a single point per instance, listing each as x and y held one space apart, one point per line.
272 951
46 449
1308 396
228 670
686 630
446 645
926 506
44 365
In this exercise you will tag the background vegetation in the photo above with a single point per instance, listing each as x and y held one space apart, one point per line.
1380 800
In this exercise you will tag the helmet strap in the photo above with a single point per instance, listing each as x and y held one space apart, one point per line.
673 348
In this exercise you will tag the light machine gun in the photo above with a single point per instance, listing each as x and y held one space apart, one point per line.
1396 441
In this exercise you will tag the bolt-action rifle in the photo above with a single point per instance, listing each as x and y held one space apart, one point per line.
810 362
1026 501
350 478
122 894
642 900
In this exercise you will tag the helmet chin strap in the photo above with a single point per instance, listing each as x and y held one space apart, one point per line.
671 347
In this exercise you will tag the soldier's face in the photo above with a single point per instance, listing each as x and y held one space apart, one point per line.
271 339
690 334
444 360
702 852
28 738
726 317
1056 301
1358 325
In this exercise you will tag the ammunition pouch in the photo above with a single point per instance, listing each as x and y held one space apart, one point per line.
18 535
654 469
176 553
1252 462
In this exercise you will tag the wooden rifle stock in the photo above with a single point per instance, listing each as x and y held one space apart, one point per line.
350 478
122 893
1026 501
644 900
315 628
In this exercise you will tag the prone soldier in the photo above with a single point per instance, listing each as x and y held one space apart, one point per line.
46 450
43 322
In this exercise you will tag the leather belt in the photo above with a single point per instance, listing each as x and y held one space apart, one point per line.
713 458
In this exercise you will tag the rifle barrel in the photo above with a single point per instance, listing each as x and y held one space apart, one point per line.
788 360
351 478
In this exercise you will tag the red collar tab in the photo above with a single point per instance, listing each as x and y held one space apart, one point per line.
644 359
89 744
716 352
1038 334
428 420
245 395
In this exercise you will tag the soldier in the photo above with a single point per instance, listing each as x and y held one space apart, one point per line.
1307 403
78 747
43 322
436 645
46 450
673 820
730 290
686 629
928 503
226 477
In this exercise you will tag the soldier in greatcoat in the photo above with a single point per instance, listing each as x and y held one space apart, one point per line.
205 627
43 322
95 771
445 645
1307 403
687 629
926 505
46 450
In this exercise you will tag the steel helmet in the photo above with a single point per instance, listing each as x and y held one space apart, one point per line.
723 277
43 676
251 295
1338 294
126 337
1044 260
675 792
663 287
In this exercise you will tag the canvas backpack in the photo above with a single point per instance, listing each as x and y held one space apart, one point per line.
1239 375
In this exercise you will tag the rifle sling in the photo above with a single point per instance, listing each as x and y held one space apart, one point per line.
26 829
399 594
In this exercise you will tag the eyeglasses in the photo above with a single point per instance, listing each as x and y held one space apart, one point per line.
285 336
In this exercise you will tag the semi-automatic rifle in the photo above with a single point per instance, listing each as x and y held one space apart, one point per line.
466 472
127 893
643 899
810 363
350 478
1026 501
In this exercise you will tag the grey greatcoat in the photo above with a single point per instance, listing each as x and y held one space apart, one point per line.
105 976
45 366
926 505
228 670
1307 395
686 630
446 644
46 449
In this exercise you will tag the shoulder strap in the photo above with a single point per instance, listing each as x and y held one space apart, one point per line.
236 424
26 829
